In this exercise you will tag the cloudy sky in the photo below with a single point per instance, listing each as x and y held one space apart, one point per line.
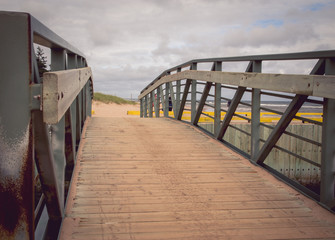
130 42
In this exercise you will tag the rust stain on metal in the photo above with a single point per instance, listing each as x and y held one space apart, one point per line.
15 178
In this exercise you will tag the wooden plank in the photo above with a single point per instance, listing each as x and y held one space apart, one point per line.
130 184
60 88
313 85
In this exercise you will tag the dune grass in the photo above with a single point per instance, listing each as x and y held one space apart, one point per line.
100 97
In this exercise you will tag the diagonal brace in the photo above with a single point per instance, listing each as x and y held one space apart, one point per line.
202 102
183 100
230 113
284 121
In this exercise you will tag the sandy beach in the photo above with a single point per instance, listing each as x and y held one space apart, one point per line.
113 110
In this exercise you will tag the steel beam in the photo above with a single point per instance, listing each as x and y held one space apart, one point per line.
230 113
16 156
193 94
157 102
255 66
151 102
217 66
141 107
173 99
328 139
279 129
166 100
202 103
46 167
184 98
72 61
178 86
162 98
146 106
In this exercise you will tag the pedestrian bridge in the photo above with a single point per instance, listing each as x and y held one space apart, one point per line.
67 175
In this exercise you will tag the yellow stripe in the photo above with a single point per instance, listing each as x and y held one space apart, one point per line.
265 116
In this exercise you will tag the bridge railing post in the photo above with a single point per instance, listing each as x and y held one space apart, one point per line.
16 137
178 87
327 194
157 102
166 100
141 107
151 102
217 101
256 66
145 108
193 94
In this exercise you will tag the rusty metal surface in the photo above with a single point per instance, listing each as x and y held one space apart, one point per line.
160 179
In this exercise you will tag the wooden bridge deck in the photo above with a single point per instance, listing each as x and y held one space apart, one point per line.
159 179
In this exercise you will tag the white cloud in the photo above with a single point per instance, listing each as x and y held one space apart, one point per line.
128 43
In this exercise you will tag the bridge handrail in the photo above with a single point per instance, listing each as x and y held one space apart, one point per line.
178 86
312 85
250 58
41 122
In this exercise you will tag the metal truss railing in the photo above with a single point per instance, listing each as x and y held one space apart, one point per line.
187 92
41 121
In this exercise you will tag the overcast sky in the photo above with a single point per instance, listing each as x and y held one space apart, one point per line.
128 43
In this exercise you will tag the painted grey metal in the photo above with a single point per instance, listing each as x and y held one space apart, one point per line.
284 121
25 138
217 66
256 66
141 107
184 98
230 113
72 61
193 94
166 100
157 102
201 105
327 195
146 106
173 99
151 102
16 159
162 99
178 88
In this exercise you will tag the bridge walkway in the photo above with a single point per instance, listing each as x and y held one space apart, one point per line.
147 178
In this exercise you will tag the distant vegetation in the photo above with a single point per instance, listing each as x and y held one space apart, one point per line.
100 97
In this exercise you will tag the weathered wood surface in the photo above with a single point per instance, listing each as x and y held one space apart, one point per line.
312 85
160 179
60 88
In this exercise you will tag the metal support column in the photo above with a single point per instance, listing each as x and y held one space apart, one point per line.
141 107
150 104
16 156
217 101
193 94
58 62
157 101
256 66
146 106
166 98
178 94
327 195
72 61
